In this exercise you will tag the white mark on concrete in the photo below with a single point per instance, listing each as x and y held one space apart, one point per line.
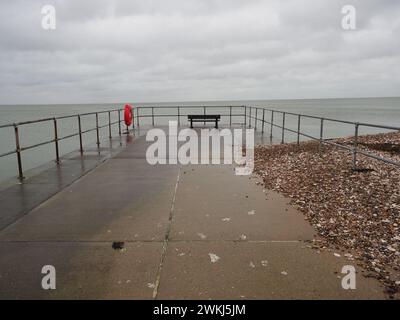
213 257
336 255
251 213
128 281
252 265
151 285
181 254
201 235
226 219
264 263
243 237
284 273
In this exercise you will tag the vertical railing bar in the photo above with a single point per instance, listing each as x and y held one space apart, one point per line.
109 125
56 141
321 134
250 117
179 117
18 150
97 130
272 124
298 129
283 127
355 146
245 116
255 120
119 122
263 121
152 116
137 116
80 134
204 109
230 116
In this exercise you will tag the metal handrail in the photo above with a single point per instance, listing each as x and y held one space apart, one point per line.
355 150
247 114
56 138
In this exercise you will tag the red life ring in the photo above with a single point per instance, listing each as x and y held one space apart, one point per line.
128 115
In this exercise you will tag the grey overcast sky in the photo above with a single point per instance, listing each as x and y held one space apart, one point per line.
187 50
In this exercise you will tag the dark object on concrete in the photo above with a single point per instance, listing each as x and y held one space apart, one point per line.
118 245
204 118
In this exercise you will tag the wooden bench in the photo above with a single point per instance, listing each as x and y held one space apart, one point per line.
204 118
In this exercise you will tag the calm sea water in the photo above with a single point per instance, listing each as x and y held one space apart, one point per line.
384 111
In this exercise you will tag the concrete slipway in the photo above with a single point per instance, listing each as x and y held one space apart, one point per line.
189 232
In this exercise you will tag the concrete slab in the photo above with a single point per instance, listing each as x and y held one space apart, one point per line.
250 270
83 270
121 200
212 203
17 199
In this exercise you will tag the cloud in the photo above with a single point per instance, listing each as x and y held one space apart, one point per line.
107 51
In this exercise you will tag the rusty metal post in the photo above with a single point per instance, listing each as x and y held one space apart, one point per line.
272 123
298 129
355 146
56 141
18 151
97 130
109 125
283 127
80 134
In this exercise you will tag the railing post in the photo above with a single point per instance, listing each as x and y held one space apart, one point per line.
97 130
179 117
137 116
230 116
109 125
56 141
119 121
283 127
263 121
152 116
80 134
245 116
298 129
18 150
355 146
255 120
250 117
204 109
272 123
321 134
133 119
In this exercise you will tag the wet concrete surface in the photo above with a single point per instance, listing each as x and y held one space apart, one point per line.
196 231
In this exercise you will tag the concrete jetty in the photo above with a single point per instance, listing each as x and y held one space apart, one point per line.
188 232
